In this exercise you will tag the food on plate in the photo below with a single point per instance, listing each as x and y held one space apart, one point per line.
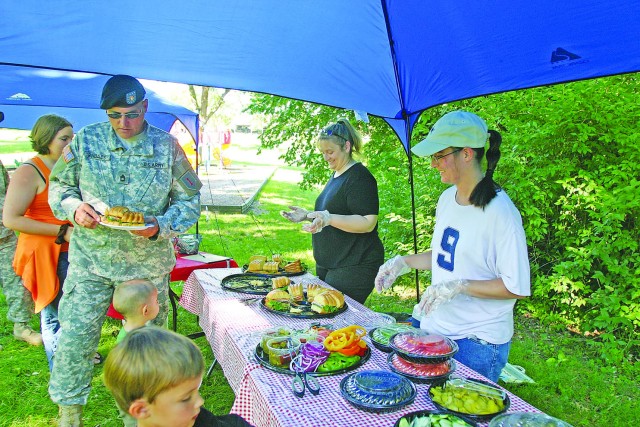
258 258
255 265
337 361
280 351
314 289
120 215
270 267
295 290
311 355
280 282
273 333
277 258
420 369
328 301
347 341
278 300
472 398
293 267
383 334
434 420
422 345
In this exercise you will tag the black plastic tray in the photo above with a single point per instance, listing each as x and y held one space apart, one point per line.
280 272
479 418
262 289
305 314
380 346
263 359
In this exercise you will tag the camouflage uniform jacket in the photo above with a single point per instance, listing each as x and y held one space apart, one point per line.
4 183
152 176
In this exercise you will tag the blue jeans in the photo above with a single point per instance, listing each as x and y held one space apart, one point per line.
483 357
49 322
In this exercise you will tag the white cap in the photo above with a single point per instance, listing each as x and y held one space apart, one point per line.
454 129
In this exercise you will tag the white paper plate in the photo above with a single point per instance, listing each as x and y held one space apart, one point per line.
127 227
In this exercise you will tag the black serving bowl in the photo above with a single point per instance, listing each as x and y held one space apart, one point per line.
426 413
480 417
381 335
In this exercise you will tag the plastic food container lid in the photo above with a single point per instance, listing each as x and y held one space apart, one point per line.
377 390
422 347
527 419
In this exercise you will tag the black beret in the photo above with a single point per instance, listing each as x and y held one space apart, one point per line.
121 91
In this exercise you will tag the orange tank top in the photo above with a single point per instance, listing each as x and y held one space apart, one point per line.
39 209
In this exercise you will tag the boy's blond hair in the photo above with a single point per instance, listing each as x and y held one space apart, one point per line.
149 361
131 295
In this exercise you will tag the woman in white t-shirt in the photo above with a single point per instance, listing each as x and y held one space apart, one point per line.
478 254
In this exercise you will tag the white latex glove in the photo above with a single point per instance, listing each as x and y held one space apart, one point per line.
389 272
441 293
296 214
320 219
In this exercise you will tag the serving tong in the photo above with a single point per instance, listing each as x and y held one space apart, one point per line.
483 389
302 380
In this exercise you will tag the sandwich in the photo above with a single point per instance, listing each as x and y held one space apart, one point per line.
278 300
132 218
280 282
328 301
120 215
295 290
314 289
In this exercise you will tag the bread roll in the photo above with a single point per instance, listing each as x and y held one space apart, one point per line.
280 282
270 267
255 265
295 290
313 289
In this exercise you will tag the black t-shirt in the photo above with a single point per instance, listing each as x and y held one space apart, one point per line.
207 419
355 192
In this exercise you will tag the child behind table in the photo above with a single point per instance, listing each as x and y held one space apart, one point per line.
154 375
137 301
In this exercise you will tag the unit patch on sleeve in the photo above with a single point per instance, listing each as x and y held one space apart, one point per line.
67 154
187 178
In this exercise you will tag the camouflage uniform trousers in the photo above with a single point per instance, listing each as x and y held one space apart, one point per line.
18 297
82 312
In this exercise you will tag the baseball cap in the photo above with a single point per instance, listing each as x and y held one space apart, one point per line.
454 129
121 91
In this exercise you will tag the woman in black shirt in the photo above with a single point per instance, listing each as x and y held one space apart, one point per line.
344 223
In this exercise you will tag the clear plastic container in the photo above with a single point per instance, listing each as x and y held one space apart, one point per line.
527 419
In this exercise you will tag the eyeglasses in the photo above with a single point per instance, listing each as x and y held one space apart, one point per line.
438 158
114 115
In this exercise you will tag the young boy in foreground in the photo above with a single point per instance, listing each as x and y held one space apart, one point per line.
137 301
154 375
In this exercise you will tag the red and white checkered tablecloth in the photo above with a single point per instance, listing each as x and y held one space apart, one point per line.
264 397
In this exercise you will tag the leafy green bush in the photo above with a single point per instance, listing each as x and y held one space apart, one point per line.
569 162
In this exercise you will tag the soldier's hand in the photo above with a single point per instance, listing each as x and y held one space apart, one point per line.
86 216
148 232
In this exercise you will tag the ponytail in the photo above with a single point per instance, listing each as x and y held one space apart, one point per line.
487 188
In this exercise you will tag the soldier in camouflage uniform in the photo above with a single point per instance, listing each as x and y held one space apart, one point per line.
125 162
18 297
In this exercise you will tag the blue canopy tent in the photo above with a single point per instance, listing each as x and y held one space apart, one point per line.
389 58
28 93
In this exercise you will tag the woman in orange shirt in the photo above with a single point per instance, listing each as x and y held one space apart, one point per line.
41 255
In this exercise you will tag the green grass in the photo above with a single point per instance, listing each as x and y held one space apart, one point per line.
14 141
571 383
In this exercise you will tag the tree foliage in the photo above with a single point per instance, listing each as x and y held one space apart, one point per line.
571 164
